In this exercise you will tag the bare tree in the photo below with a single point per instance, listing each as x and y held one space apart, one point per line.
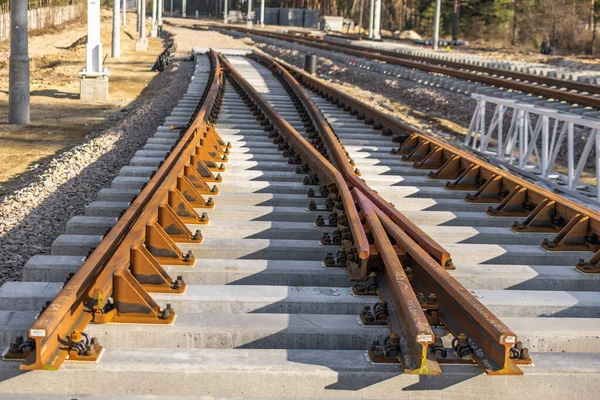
513 38
593 25
455 19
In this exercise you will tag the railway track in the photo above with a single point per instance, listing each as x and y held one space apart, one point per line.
551 88
246 256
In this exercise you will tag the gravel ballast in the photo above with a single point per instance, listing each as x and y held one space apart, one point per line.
35 213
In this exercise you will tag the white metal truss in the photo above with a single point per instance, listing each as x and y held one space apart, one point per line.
537 141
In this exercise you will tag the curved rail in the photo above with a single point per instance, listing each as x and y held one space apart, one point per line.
574 225
459 310
417 234
319 165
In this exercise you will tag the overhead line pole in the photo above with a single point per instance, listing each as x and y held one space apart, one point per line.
161 5
116 30
436 24
225 11
371 16
154 30
19 109
249 20
262 13
124 13
377 24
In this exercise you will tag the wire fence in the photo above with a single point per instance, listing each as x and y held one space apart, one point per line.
33 4
42 14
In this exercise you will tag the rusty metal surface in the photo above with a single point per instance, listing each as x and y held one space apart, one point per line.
543 210
498 81
106 269
459 310
521 76
414 323
341 161
127 263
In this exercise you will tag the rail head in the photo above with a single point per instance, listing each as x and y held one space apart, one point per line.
73 308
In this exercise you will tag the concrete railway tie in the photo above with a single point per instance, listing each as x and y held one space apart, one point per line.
262 317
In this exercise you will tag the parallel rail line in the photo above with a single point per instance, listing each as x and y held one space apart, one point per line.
551 88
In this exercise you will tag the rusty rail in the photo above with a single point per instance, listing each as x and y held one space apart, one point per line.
418 332
572 226
319 165
437 251
458 310
126 264
397 59
413 321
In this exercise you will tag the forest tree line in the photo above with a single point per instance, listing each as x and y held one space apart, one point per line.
569 25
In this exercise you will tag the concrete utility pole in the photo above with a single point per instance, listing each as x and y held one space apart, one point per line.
249 21
93 64
160 11
94 78
183 8
377 24
124 13
143 21
262 13
436 24
19 111
142 43
371 15
153 32
116 30
225 11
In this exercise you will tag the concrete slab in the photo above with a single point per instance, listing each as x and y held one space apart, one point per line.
259 249
297 373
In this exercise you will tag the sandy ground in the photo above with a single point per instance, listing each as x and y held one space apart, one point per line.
59 118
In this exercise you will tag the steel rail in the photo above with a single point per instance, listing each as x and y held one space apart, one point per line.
318 165
499 72
413 322
515 196
460 311
339 155
395 59
72 308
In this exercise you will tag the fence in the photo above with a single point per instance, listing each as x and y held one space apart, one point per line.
42 14
552 147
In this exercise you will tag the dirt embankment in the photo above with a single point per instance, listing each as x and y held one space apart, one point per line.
59 118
